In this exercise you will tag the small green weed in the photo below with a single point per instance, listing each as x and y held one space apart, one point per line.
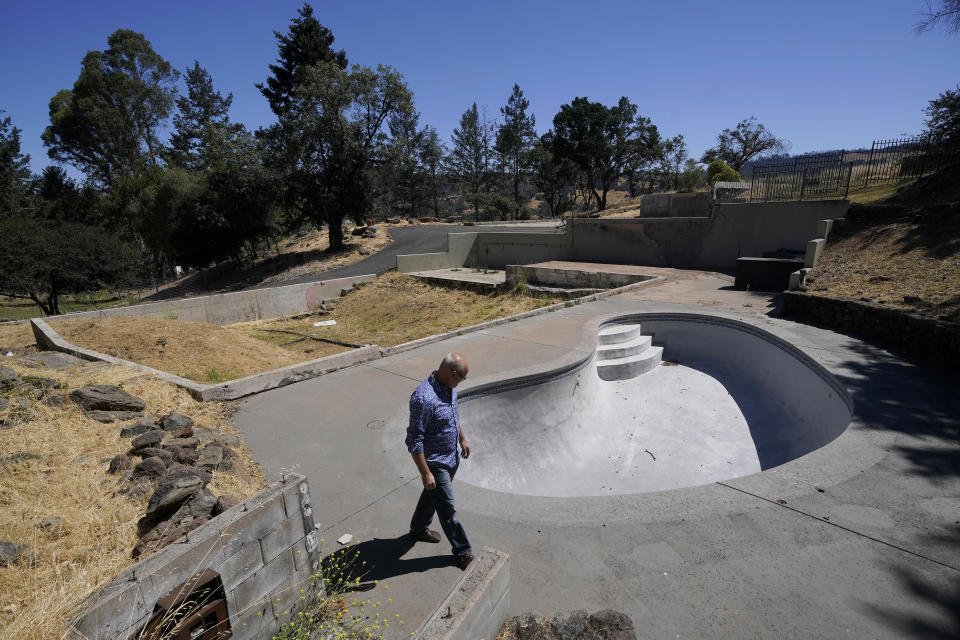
214 376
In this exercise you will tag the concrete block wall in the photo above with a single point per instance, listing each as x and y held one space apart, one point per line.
264 549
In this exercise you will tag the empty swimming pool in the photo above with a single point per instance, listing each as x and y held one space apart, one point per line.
723 399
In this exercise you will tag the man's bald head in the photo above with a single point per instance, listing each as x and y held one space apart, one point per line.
453 370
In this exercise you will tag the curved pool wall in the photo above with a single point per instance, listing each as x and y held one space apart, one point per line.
765 375
558 433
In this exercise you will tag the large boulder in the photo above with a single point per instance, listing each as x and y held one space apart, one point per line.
203 435
149 469
176 422
57 400
108 417
210 456
149 452
53 359
120 463
183 455
176 469
199 506
164 534
149 439
186 443
106 398
170 495
142 425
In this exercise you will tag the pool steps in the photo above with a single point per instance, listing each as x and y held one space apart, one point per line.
623 353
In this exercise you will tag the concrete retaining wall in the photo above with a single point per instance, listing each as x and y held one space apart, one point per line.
240 306
570 277
734 230
49 339
459 248
676 205
265 550
925 338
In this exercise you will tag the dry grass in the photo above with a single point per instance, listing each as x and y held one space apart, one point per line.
15 336
195 350
318 243
900 265
68 479
397 308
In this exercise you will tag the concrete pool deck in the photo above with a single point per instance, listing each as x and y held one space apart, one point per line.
860 538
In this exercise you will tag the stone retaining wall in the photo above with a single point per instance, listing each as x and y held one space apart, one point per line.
925 338
264 549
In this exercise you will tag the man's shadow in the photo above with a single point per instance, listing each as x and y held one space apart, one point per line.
355 568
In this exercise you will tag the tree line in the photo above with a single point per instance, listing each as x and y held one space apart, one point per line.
347 143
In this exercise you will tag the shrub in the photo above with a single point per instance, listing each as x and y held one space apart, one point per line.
720 171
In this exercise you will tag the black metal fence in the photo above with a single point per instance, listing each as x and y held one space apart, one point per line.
834 173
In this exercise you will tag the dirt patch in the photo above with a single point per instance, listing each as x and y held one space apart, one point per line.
55 464
397 308
203 352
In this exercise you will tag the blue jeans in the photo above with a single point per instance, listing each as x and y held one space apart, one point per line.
440 501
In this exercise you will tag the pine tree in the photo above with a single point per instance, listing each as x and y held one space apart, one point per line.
305 45
515 140
202 127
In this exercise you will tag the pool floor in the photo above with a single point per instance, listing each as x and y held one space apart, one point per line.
581 436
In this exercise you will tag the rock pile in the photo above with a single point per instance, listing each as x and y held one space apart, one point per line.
576 625
177 459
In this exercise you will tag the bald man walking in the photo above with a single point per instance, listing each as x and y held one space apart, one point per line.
432 438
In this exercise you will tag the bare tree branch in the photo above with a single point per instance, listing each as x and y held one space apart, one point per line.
948 14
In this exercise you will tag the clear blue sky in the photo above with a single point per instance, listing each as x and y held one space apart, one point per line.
823 75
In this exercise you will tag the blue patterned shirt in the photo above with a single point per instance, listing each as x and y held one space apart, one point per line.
434 423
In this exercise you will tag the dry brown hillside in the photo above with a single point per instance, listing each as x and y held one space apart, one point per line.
902 253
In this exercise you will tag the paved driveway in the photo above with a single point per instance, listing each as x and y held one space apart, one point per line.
858 539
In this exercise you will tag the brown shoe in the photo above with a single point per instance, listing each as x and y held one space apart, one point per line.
464 560
427 535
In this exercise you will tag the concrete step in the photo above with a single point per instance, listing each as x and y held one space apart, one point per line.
616 333
631 366
623 349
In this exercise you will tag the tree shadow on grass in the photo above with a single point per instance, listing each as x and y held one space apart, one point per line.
357 567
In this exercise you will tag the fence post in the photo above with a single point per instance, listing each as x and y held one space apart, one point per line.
866 177
846 191
803 184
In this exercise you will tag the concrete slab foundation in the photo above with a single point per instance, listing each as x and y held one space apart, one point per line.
856 538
